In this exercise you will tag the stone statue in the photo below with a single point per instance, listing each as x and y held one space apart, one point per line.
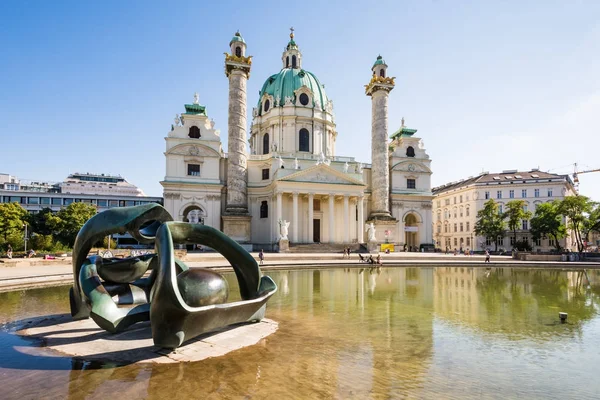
177 120
274 146
283 229
115 294
370 229
196 98
288 101
277 100
281 162
296 165
346 166
318 104
212 123
254 112
327 161
359 168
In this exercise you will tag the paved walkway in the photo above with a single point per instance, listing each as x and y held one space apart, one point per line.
27 273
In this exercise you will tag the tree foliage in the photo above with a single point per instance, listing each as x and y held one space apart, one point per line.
515 213
12 219
547 222
68 221
577 210
39 222
490 223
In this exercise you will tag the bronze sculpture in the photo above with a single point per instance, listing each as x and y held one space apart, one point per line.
179 302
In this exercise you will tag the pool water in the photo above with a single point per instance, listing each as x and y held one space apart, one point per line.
435 332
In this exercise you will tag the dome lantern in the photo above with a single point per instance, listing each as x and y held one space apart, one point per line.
292 57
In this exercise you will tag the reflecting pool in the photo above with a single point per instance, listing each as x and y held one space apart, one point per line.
435 332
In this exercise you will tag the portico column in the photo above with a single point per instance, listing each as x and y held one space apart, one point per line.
331 214
279 206
295 217
346 220
310 218
361 219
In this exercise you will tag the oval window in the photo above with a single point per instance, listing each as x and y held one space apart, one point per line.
304 99
267 105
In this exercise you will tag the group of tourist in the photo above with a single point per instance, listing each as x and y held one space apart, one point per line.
370 260
347 252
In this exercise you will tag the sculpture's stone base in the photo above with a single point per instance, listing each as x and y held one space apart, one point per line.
372 247
85 340
381 227
237 227
283 246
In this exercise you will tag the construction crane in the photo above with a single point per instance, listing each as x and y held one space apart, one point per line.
577 173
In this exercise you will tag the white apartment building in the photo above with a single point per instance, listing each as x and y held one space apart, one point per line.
456 205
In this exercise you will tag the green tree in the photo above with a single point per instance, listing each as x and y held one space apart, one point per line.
515 213
39 222
547 222
577 209
490 223
67 222
12 219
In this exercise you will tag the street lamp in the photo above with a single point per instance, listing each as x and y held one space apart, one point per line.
25 238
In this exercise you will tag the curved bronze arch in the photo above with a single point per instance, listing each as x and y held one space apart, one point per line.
115 220
172 320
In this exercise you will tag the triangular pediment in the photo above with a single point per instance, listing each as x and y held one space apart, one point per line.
323 174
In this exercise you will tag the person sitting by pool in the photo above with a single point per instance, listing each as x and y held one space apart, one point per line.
379 259
30 253
370 260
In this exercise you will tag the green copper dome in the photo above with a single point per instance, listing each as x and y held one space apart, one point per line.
379 61
286 82
237 38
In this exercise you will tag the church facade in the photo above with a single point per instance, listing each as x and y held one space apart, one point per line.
283 181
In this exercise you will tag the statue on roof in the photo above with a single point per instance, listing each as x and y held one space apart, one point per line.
176 119
346 166
196 98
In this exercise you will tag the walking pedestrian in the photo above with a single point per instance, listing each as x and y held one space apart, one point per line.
261 257
487 256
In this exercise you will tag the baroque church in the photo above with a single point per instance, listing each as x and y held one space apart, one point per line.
283 182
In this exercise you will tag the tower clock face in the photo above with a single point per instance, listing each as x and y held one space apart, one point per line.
411 167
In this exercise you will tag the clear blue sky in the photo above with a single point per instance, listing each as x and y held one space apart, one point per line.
94 86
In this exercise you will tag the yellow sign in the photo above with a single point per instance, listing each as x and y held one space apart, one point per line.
387 246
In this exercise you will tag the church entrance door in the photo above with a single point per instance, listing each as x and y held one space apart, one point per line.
411 232
316 230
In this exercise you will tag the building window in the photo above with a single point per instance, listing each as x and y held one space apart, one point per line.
525 207
499 194
266 143
524 193
487 195
113 203
382 73
264 209
455 213
287 62
512 240
411 183
446 228
439 216
267 105
304 139
439 203
410 151
538 242
455 241
536 193
439 229
56 201
488 241
194 169
461 227
468 226
525 225
500 241
499 208
33 200
304 99
551 242
293 61
102 203
447 202
455 227
238 51
468 211
461 198
549 192
468 241
461 211
66 202
454 199
45 200
511 194
265 173
194 132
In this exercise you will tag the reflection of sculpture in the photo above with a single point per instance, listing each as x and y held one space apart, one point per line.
370 229
283 229
184 303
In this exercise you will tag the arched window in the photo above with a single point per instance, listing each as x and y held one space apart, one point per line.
304 99
293 61
382 73
266 144
194 132
287 62
304 140
264 209
410 151
238 51
267 105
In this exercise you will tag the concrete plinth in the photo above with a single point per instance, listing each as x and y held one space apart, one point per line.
383 225
84 339
237 227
